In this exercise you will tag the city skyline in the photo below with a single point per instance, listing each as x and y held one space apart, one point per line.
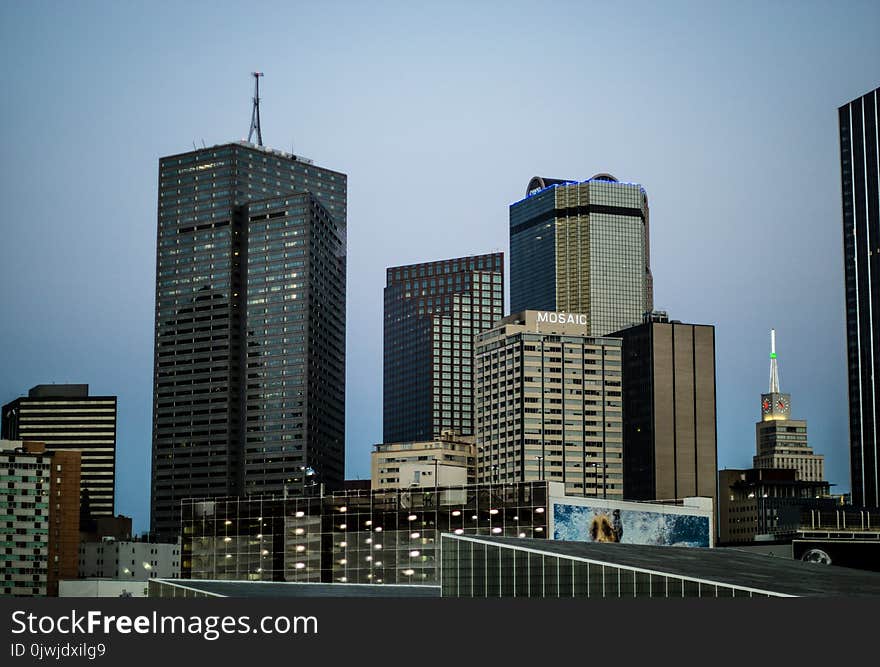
729 123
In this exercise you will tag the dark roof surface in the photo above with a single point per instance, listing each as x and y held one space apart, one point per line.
722 566
279 589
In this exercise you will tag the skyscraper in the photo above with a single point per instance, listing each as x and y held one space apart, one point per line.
582 248
780 441
66 418
548 404
432 312
669 434
249 379
860 173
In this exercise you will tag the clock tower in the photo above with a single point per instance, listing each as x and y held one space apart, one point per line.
781 442
774 405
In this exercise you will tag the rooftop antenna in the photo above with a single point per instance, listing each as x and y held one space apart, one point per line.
255 115
774 369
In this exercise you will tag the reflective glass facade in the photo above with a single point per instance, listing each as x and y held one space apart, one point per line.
582 248
376 537
432 312
250 338
860 174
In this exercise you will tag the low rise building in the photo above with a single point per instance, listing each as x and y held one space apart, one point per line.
128 560
446 461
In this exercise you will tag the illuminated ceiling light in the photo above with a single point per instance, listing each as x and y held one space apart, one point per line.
409 572
414 536
516 518
378 529
456 513
227 539
539 530
369 576
265 552
377 546
227 522
414 554
459 531
368 522
540 510
299 531
343 579
300 566
343 544
474 517
259 536
496 530
493 511
342 526
343 509
300 514
378 563
411 517
229 555
369 540
369 558
342 561
259 569
522 534
300 547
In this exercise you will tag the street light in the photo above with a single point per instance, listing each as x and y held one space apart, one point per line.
540 460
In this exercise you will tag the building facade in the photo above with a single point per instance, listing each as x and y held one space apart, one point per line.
449 460
389 536
249 379
432 312
765 503
66 418
780 441
859 126
549 405
669 434
39 511
582 247
128 561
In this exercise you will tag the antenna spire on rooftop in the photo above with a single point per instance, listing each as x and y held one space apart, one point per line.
255 115
774 368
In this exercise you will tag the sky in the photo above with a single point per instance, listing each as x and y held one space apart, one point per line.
439 113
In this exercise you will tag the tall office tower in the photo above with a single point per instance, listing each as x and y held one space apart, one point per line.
41 517
860 173
780 441
582 248
548 404
432 312
249 379
669 435
66 418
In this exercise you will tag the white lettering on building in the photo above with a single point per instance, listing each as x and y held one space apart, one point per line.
562 318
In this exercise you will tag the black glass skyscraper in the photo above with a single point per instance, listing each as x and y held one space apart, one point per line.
432 313
249 378
860 173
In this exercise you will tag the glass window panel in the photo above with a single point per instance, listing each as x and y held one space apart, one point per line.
536 575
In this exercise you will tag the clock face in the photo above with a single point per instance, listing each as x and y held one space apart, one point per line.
765 405
780 405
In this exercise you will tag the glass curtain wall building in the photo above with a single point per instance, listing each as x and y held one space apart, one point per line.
367 537
582 247
432 312
860 174
249 379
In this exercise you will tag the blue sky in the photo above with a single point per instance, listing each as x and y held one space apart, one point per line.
439 114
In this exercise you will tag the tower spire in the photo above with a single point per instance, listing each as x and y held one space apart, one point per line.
255 115
774 368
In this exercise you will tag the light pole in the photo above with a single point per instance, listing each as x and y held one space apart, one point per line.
540 460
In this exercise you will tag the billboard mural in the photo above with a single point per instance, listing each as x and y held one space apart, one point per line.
612 522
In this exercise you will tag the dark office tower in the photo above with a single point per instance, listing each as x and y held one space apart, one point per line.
582 248
66 418
249 380
432 313
669 430
860 173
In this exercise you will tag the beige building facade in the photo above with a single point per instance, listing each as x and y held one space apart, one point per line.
447 461
548 404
